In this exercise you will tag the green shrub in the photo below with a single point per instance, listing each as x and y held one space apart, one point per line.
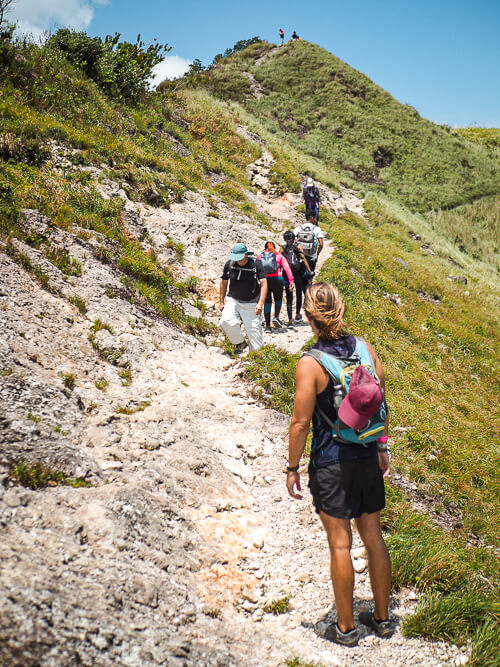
122 69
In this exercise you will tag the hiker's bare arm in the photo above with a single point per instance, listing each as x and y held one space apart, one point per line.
303 258
307 377
320 244
383 457
222 293
378 365
263 294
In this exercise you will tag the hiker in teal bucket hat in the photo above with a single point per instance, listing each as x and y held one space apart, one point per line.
244 302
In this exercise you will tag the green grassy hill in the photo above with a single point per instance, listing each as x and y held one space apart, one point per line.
334 113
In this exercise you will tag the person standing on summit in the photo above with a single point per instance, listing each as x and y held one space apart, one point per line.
282 36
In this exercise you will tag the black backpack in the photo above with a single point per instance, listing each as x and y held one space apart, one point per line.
292 256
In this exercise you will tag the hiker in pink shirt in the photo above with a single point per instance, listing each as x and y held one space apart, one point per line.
274 264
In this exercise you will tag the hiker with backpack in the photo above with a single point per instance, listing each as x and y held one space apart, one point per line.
312 199
301 270
245 300
282 36
274 264
310 237
340 386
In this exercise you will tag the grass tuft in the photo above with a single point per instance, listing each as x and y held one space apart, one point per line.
39 476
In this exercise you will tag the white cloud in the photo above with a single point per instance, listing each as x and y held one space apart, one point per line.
170 68
37 16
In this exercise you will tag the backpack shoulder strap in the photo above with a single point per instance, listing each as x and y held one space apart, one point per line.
363 353
331 364
321 358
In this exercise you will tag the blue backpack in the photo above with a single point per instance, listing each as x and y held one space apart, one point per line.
341 370
269 262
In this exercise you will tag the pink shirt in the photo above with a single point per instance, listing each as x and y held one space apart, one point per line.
283 265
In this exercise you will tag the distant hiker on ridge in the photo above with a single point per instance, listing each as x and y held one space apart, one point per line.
282 36
295 37
247 292
312 199
349 455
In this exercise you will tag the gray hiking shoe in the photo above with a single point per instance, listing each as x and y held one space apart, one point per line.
277 323
298 318
383 629
238 349
334 634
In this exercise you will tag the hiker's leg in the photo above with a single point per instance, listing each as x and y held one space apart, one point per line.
299 291
268 303
379 562
340 540
278 296
289 300
252 324
230 322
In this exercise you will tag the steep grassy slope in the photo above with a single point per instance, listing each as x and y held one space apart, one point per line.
332 112
60 137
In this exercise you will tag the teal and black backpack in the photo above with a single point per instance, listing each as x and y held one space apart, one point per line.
341 369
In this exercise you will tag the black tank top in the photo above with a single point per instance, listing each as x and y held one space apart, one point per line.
325 449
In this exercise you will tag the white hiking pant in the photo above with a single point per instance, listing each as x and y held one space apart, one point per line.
233 312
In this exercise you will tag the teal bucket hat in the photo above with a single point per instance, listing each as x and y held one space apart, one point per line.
239 252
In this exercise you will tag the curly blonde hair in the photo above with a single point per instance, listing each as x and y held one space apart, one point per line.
325 307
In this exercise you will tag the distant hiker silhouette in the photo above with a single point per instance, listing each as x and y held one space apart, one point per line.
312 199
295 37
282 36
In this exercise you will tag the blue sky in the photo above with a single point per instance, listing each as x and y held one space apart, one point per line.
442 57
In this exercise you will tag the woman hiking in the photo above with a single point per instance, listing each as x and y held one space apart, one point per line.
274 264
301 270
346 479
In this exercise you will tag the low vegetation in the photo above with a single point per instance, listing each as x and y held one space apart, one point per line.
278 606
39 476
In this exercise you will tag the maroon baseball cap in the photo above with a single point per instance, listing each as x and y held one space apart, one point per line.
362 401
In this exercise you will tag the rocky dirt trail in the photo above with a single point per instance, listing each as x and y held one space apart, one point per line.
186 536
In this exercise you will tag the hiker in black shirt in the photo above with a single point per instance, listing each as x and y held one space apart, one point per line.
245 300
301 270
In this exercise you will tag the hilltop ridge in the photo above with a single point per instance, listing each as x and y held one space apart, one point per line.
337 115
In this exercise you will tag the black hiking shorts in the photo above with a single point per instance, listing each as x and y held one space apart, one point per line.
349 489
